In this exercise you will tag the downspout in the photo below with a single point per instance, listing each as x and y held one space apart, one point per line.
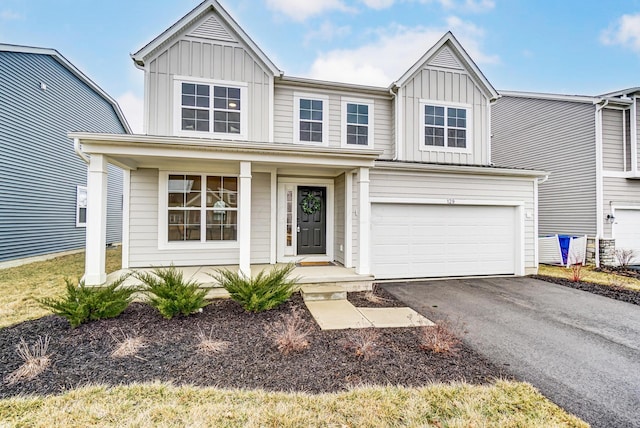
78 149
599 180
397 121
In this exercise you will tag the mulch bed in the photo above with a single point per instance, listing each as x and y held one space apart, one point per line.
611 291
381 299
82 356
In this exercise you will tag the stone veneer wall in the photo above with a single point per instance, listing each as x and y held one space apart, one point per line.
607 252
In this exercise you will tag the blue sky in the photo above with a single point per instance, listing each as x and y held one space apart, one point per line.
561 46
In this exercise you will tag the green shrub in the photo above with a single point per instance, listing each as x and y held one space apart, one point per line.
170 294
261 293
82 304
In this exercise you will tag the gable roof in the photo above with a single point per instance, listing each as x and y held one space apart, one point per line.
450 60
75 71
198 12
622 93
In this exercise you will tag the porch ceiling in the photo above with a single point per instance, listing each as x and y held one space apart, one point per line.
139 151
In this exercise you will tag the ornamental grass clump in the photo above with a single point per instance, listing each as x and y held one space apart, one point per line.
82 304
170 294
263 292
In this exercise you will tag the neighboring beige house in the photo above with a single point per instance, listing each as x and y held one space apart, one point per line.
241 164
589 144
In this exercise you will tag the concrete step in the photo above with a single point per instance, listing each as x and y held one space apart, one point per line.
319 292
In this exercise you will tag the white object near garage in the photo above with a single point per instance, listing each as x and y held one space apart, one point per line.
439 240
626 230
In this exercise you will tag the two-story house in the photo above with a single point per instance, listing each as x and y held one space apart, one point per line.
241 164
43 183
589 144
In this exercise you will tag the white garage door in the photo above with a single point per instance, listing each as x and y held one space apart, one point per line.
410 241
626 231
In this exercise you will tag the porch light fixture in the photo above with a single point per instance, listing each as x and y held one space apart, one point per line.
610 218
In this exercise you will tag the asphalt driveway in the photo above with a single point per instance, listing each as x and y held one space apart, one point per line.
579 349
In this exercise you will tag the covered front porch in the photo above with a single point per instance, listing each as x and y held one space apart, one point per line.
198 203
322 275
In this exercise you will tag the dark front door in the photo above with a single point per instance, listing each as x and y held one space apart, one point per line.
312 220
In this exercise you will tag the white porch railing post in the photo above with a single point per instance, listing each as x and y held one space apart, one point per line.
364 228
96 233
244 222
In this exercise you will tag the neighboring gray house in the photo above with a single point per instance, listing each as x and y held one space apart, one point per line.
42 180
243 165
589 144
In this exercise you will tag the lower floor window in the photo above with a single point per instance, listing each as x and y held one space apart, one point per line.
202 208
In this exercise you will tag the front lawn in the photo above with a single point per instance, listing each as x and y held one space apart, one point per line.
504 404
591 274
20 286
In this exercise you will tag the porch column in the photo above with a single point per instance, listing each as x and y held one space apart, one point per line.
364 228
244 222
96 239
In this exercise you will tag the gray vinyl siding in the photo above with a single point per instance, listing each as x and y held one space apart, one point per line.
557 137
618 192
443 87
612 140
339 211
207 59
143 228
416 185
284 116
39 170
260 217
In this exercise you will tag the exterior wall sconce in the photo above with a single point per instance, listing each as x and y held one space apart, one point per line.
610 218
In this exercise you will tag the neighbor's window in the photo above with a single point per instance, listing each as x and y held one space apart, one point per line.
202 208
444 126
358 123
211 108
81 206
311 119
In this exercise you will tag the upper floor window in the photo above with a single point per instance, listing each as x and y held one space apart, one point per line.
444 126
310 118
357 129
211 108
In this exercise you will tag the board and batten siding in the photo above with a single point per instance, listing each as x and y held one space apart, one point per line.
212 60
143 226
418 185
284 116
612 140
618 191
443 87
339 212
557 137
39 169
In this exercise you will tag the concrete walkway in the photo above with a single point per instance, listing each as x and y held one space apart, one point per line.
340 314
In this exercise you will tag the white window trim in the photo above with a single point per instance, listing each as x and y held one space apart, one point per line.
371 126
423 147
177 108
297 96
78 189
163 212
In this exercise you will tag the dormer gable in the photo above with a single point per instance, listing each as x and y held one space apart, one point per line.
205 77
208 20
443 108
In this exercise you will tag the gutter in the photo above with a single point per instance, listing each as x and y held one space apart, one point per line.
78 149
397 114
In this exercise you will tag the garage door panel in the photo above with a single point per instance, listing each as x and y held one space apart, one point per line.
442 240
626 231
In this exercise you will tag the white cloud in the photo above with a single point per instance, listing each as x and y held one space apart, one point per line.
378 4
300 10
626 32
393 52
9 15
132 107
327 32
